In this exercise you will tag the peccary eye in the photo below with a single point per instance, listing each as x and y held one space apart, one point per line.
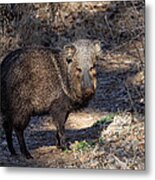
79 70
93 70
69 60
93 67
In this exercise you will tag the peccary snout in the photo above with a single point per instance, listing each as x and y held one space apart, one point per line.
89 82
88 93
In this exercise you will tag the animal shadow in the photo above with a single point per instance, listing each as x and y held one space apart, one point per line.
48 138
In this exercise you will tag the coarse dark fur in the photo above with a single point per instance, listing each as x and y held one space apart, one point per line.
44 81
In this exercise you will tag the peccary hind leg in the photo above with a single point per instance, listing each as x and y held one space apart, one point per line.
19 127
7 125
21 140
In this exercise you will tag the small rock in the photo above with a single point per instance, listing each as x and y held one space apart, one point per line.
4 143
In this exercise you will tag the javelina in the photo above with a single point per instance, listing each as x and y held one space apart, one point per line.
41 80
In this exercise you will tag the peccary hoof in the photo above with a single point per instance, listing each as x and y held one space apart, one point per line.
64 147
14 154
28 155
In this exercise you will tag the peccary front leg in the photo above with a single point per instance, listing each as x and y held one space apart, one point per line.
60 125
61 143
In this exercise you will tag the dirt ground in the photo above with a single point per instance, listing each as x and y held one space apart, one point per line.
109 133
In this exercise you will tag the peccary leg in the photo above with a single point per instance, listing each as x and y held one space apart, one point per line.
21 140
60 124
8 132
61 137
19 124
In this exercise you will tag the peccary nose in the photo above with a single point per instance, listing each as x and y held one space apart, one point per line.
88 93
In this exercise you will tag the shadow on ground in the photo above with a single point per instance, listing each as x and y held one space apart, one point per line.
47 138
114 95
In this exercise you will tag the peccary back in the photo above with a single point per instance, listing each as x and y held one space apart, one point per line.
41 80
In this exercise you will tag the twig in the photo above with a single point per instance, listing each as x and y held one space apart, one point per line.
138 53
130 98
106 20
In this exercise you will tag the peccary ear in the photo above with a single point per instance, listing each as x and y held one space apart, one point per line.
97 47
69 51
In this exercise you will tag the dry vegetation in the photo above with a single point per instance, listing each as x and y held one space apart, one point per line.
109 134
